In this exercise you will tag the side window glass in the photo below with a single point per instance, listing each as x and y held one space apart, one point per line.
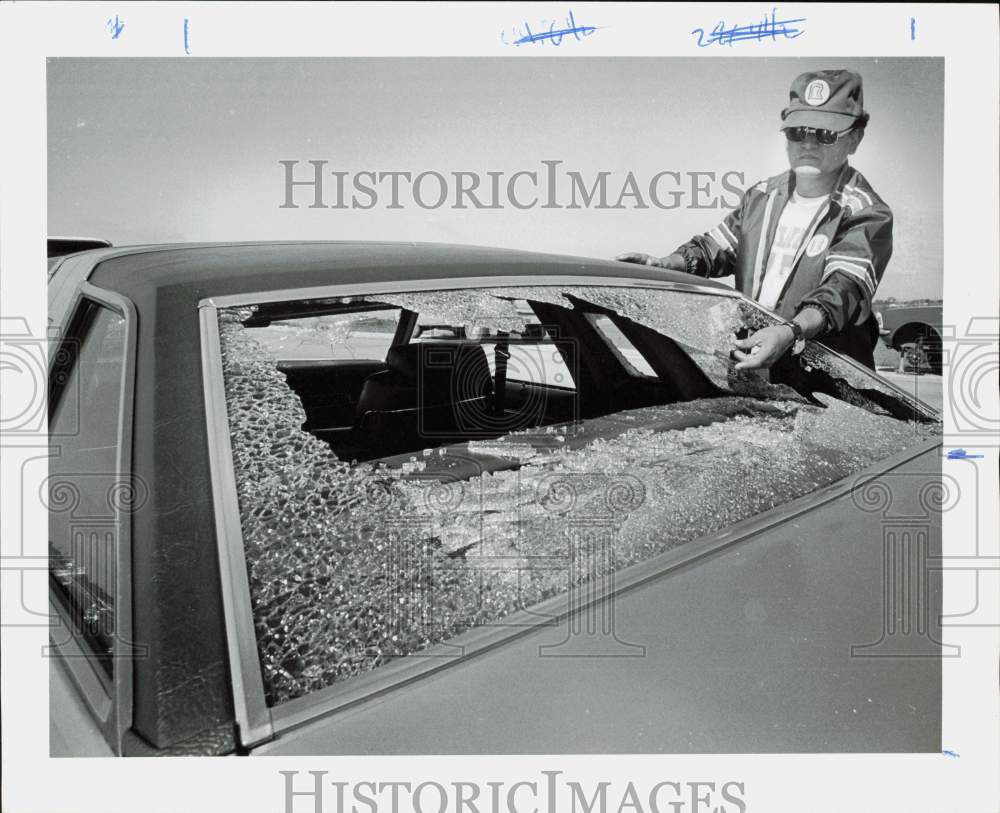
85 396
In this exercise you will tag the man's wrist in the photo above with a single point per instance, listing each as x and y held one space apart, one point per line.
796 335
678 262
812 321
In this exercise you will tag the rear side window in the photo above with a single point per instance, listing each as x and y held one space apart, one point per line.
85 396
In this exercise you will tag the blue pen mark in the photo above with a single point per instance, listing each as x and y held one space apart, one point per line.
913 28
115 26
187 50
950 754
769 28
553 35
961 454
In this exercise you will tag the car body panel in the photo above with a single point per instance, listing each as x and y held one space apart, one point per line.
904 316
917 333
72 729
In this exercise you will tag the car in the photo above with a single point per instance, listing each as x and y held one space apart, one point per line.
915 332
372 498
61 246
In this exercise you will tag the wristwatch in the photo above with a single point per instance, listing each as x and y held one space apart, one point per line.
799 339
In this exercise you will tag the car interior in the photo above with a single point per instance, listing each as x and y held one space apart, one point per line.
438 386
444 387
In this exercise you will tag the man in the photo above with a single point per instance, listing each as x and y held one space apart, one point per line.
812 243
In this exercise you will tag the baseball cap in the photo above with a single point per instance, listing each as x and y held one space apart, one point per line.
829 100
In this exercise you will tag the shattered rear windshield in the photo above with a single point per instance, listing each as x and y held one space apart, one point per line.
410 466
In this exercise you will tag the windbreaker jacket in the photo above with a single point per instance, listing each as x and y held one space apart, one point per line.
837 267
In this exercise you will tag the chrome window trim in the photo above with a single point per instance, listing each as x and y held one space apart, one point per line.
252 715
112 704
263 722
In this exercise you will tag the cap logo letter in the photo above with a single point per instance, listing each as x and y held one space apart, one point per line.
817 92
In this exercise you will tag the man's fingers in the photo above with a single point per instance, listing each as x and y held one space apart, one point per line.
757 358
752 360
753 352
640 258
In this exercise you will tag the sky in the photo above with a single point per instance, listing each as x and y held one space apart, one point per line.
164 150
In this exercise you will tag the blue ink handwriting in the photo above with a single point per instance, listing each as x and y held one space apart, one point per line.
187 49
768 28
913 28
115 26
552 34
949 754
961 454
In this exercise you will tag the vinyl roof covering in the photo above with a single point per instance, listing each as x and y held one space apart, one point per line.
215 269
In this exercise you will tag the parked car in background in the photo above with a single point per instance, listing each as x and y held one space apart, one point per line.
60 246
920 327
319 498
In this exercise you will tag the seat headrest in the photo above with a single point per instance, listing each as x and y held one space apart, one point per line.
458 370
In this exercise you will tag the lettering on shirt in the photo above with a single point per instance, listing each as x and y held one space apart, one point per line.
795 220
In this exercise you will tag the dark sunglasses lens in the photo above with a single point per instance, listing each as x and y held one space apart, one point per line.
825 137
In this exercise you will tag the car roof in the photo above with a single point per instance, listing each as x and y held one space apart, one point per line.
214 269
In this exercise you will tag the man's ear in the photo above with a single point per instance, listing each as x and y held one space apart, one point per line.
856 137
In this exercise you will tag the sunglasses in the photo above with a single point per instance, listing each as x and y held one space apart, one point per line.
824 137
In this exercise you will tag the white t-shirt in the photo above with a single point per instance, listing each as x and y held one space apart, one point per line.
795 219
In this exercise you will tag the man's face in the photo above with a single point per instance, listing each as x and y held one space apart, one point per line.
809 157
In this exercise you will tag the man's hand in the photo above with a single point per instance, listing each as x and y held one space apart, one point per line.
675 262
764 347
